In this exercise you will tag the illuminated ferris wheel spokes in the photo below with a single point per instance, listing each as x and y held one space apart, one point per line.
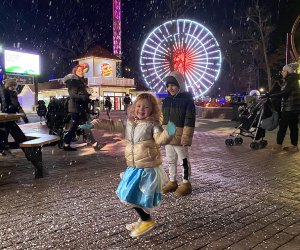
182 45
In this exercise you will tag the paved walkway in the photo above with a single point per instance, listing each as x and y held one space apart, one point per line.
242 199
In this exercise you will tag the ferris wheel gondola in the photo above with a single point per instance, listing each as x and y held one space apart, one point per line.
185 46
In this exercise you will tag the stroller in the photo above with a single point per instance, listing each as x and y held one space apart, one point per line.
58 119
251 124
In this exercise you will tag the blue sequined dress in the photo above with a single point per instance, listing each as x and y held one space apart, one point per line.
142 186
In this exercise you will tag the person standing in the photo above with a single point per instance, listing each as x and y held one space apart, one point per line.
127 102
290 108
179 107
41 110
78 102
107 106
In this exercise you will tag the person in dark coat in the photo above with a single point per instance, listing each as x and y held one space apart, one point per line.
290 107
179 108
78 103
127 102
108 106
9 104
41 110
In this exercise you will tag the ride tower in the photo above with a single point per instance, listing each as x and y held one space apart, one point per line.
117 34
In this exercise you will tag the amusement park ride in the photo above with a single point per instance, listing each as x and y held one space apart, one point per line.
185 46
295 39
117 33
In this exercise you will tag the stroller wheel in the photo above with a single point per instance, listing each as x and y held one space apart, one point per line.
229 142
263 143
238 140
254 145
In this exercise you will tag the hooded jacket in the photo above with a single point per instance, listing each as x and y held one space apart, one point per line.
144 138
181 110
10 102
79 97
290 93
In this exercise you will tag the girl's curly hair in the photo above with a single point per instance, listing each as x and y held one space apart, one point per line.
156 110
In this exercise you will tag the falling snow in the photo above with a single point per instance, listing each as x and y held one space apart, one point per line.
57 30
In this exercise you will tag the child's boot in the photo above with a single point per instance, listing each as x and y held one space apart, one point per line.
171 186
184 189
142 227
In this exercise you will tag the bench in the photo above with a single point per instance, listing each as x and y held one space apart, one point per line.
33 149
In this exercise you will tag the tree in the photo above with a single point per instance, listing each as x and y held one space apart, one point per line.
260 31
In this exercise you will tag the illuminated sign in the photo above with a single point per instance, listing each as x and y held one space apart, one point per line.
21 63
106 69
21 79
85 67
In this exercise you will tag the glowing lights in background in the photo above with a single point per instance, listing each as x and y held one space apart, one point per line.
117 34
106 69
21 63
117 28
185 46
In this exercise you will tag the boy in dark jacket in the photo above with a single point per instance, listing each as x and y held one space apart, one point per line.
179 107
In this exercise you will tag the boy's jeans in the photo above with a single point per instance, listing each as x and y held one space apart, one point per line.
178 153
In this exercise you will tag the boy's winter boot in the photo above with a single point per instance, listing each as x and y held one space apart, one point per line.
183 189
171 186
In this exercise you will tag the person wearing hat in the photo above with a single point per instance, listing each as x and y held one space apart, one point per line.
9 104
179 108
290 107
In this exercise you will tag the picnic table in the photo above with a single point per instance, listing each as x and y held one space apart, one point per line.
31 144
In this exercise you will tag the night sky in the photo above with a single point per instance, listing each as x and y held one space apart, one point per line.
60 30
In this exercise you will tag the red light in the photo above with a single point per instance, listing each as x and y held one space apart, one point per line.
182 61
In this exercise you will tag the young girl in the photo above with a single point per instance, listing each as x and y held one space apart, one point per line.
141 183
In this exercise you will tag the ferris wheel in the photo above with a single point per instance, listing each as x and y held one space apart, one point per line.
295 38
185 46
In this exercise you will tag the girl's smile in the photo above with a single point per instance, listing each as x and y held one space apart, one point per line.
143 109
